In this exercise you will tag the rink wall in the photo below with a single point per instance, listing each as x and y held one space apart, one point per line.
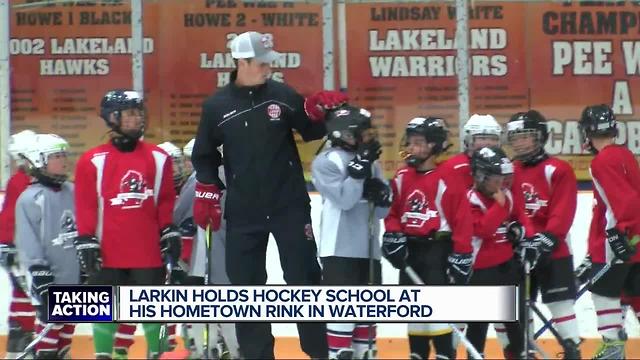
585 314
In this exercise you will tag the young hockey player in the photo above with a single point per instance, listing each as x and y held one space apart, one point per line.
550 193
354 198
614 225
124 201
493 212
427 227
125 333
479 131
21 312
44 236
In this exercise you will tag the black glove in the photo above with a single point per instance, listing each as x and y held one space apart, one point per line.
515 232
545 242
460 268
89 255
528 251
170 244
369 151
394 249
366 154
619 244
7 255
583 271
41 278
376 191
188 228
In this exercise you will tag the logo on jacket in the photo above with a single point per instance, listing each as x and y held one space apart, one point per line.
68 231
274 111
532 200
308 232
133 191
418 210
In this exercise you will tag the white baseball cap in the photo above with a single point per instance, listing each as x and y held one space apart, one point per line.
254 45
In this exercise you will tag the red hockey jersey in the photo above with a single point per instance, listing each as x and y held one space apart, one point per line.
490 221
551 195
125 199
426 203
16 185
460 167
616 178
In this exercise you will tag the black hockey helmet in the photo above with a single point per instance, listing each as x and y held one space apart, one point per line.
598 120
528 122
433 129
490 161
347 122
115 101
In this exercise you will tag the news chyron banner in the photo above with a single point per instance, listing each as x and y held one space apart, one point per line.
175 304
64 57
193 57
556 58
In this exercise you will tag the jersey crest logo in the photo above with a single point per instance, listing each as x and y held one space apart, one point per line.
274 111
133 191
418 210
68 231
532 200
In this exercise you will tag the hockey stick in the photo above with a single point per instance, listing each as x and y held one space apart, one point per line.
207 280
463 339
527 304
29 348
164 329
372 210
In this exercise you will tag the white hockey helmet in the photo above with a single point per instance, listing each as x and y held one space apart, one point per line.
480 125
187 150
19 143
171 149
44 145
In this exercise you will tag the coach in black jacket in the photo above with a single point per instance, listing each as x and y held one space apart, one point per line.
253 118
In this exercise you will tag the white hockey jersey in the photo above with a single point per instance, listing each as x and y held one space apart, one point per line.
346 216
45 229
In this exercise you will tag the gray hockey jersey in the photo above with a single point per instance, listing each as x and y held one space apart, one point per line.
45 229
345 217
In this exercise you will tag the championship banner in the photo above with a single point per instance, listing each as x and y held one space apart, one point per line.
380 304
584 53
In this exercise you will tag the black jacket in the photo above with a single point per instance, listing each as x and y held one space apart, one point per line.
262 166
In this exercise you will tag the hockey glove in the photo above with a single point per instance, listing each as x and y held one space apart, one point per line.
178 273
394 249
317 104
41 278
359 168
583 271
7 256
528 251
369 151
460 268
170 244
206 206
377 192
546 243
515 232
619 244
89 255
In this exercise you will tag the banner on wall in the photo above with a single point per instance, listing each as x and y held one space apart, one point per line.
65 56
556 58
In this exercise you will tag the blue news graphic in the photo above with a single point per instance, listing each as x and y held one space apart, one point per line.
81 303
